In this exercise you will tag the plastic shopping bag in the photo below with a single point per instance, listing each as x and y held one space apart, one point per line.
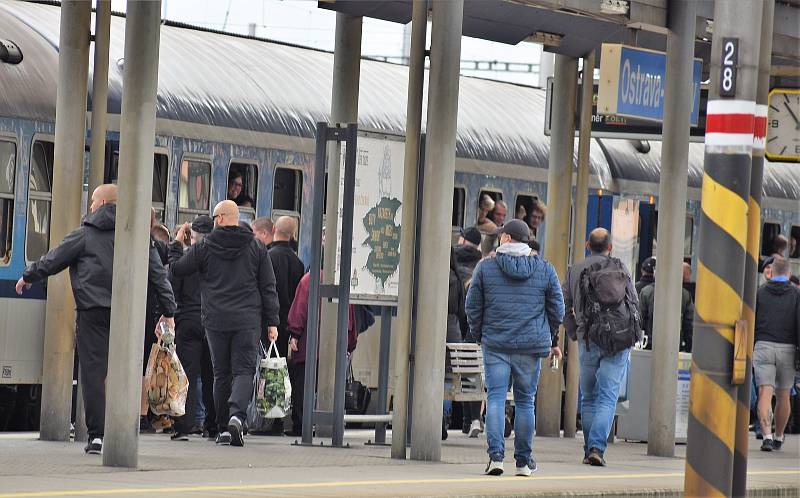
273 389
256 421
167 384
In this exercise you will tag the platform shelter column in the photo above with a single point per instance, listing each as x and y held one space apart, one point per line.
99 125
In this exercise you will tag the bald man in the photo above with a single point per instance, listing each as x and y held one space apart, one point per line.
88 251
238 300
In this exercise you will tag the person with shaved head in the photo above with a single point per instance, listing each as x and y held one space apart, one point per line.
238 300
88 251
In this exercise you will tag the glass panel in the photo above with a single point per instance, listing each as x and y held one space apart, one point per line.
287 192
243 184
37 239
769 238
6 230
794 242
687 236
8 160
41 177
160 168
195 181
459 198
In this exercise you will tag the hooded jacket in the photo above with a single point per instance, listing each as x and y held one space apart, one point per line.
514 303
88 251
237 283
288 269
467 258
778 313
187 289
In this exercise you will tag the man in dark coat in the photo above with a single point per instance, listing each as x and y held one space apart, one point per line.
648 274
88 251
238 299
288 272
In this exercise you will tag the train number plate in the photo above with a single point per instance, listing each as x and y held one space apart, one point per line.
6 371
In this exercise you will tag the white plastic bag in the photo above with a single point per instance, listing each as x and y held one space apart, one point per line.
273 389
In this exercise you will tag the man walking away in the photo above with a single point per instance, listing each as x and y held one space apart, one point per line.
88 251
777 338
238 299
514 308
648 274
189 334
647 303
601 300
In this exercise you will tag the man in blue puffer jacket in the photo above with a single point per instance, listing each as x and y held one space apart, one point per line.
514 308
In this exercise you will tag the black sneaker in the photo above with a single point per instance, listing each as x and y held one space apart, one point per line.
210 433
595 458
95 446
767 445
235 429
223 438
777 443
179 436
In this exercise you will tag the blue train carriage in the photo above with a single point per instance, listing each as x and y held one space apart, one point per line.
262 125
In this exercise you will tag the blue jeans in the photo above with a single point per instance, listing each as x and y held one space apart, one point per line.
601 377
524 370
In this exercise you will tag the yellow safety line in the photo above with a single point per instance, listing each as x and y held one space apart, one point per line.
713 408
343 484
725 208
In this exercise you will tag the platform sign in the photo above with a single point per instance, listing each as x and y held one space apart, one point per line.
375 266
633 81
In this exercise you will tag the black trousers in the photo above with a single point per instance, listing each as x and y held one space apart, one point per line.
189 339
297 376
207 377
234 356
92 338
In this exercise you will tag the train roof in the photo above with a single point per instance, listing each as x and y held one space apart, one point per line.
230 81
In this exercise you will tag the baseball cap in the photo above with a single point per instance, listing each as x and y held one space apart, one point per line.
472 235
203 224
517 229
649 265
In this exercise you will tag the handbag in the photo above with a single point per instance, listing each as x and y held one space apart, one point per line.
356 394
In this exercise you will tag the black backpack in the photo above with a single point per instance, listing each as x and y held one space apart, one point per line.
612 320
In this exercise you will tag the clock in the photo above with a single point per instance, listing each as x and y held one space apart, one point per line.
783 125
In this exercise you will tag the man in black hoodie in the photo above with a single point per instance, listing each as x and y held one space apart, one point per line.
288 272
237 285
777 337
88 251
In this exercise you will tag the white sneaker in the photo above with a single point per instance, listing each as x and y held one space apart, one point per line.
494 468
527 470
475 428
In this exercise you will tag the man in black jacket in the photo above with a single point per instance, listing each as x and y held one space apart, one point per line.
777 336
190 335
237 285
288 270
88 251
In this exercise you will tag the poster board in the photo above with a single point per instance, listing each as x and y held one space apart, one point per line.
377 211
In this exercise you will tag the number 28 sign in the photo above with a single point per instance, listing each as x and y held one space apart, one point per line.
728 68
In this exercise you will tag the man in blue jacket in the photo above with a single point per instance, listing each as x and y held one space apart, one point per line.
514 308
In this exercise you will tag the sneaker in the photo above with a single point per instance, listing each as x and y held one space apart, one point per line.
595 458
179 436
767 444
465 427
777 443
494 468
95 446
475 428
210 433
586 460
528 469
223 438
235 429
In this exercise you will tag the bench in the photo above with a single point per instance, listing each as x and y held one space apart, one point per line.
463 375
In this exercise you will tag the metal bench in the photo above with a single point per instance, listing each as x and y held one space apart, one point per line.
464 372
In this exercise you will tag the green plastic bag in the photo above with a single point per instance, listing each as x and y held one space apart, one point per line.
273 389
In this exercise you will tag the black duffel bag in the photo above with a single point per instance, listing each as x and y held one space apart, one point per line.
356 394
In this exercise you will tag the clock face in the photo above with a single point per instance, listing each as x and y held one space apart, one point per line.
783 125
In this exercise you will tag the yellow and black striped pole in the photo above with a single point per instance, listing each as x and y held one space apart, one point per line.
723 246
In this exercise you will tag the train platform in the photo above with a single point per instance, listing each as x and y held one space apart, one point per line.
272 466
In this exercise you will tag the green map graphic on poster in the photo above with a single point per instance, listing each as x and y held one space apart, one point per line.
383 239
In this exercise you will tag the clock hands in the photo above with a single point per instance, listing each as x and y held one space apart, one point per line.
794 116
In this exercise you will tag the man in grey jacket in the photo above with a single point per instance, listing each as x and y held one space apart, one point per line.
88 251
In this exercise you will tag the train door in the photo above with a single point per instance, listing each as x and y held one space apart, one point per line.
287 195
599 211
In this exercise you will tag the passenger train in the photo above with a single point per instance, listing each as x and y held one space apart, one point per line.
232 103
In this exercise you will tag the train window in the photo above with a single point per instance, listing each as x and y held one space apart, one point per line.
687 236
492 194
794 242
243 186
8 161
524 205
40 188
769 237
459 204
159 196
194 186
287 190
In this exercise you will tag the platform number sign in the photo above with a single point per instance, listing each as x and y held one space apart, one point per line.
728 68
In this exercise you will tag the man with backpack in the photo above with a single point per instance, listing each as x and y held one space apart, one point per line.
603 316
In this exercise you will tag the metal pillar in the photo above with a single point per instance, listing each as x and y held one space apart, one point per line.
579 234
129 288
437 206
344 109
678 100
753 246
383 372
402 339
102 40
556 238
65 215
723 229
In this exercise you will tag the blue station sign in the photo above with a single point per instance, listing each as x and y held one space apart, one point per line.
633 82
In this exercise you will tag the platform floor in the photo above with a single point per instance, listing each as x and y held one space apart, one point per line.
271 466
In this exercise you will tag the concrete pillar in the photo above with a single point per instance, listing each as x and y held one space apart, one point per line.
579 234
65 215
678 98
402 336
722 251
556 235
437 208
344 109
741 442
129 289
102 41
